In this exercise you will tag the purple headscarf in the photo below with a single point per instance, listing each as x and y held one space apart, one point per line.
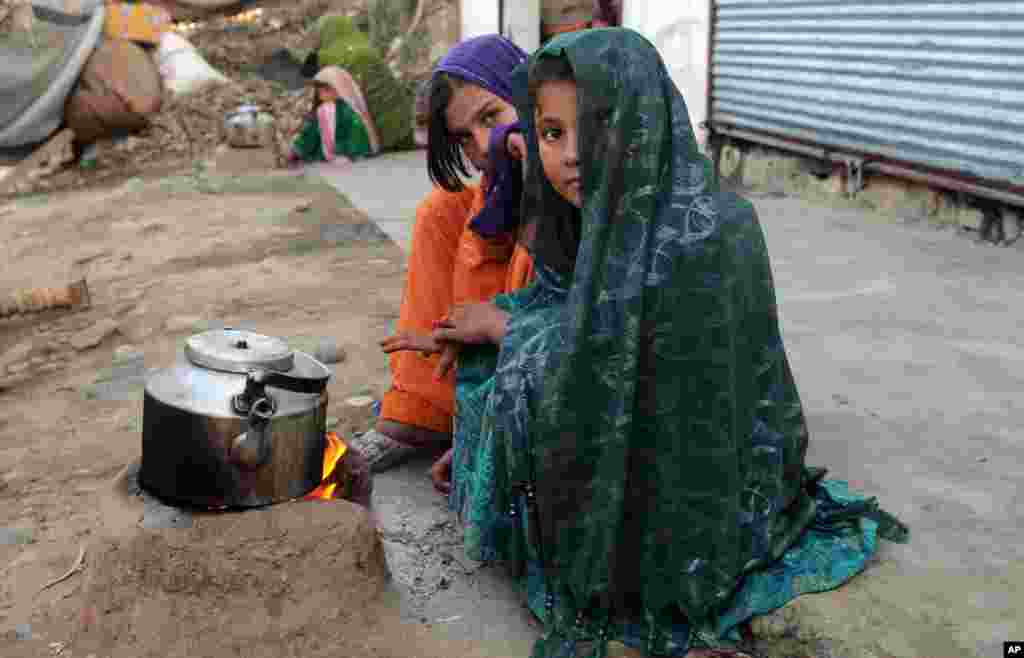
488 61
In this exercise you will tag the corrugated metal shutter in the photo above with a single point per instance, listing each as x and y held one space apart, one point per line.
938 84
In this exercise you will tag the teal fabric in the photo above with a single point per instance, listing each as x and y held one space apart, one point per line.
836 545
636 445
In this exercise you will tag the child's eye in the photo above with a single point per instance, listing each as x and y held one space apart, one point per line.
551 134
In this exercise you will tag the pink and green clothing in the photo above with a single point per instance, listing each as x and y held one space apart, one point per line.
341 129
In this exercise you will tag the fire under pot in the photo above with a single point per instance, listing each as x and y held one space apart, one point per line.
238 421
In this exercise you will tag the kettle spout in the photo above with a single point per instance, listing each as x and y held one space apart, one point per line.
253 447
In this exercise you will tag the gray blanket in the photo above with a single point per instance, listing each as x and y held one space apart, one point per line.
39 70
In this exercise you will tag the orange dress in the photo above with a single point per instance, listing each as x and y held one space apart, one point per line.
448 264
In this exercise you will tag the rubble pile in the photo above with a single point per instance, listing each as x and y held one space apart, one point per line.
236 44
241 46
186 130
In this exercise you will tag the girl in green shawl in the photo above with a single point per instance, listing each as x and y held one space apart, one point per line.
628 430
340 128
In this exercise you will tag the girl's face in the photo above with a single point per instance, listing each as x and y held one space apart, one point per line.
326 94
472 113
557 136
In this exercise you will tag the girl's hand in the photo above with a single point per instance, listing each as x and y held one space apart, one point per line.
441 473
410 342
449 355
473 324
516 146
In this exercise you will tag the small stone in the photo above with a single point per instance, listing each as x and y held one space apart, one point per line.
730 161
970 219
15 537
127 353
37 360
325 350
360 401
128 144
182 323
23 632
1013 225
92 336
328 351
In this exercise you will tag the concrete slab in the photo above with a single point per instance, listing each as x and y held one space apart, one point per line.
906 346
388 188
438 585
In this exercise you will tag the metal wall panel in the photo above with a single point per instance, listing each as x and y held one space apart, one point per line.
937 84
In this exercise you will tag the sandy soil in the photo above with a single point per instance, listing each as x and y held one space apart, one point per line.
165 258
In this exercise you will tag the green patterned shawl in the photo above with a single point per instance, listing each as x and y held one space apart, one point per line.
668 446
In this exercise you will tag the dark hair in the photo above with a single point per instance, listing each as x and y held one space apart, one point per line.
445 163
550 69
316 85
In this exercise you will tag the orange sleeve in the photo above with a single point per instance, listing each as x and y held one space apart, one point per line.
448 263
520 270
415 398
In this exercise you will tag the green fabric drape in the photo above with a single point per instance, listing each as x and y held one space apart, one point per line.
638 443
350 137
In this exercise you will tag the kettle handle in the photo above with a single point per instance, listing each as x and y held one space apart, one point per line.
311 385
257 380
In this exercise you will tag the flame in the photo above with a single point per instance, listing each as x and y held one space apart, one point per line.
335 450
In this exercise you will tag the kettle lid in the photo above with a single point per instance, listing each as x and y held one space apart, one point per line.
237 350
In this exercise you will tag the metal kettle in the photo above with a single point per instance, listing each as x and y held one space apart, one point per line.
238 421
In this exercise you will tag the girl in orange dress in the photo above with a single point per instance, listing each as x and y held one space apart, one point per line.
464 247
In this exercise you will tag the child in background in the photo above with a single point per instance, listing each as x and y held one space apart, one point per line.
340 128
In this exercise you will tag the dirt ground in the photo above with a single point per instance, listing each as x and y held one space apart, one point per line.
163 258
